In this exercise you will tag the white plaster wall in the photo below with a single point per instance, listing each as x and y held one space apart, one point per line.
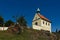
41 25
36 27
41 28
46 27
3 28
38 21
35 17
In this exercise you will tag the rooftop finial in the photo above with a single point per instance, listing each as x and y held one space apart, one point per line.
38 9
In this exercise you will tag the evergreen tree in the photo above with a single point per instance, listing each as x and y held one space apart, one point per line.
22 22
8 23
1 21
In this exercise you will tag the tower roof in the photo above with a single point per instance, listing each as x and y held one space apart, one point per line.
38 10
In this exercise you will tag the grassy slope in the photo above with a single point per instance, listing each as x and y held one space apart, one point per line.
57 35
27 35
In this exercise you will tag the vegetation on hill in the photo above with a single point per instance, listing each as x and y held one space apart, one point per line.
28 34
57 33
21 32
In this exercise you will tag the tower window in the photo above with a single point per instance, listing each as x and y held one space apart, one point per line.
36 23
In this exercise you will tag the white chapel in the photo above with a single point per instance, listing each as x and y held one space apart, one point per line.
40 22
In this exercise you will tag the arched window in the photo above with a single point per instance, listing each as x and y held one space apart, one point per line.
36 23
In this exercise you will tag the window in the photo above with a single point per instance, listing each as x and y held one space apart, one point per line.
43 22
46 23
38 18
36 23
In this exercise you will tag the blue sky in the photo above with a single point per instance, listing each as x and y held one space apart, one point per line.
49 8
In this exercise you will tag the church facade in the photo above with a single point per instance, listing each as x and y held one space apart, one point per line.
40 22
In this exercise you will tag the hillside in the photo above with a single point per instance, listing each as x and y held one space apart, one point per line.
28 34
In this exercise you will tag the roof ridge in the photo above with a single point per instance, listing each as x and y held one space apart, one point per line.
43 17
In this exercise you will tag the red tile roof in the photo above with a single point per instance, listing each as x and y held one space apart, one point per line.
44 18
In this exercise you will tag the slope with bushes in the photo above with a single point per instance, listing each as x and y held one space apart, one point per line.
28 34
